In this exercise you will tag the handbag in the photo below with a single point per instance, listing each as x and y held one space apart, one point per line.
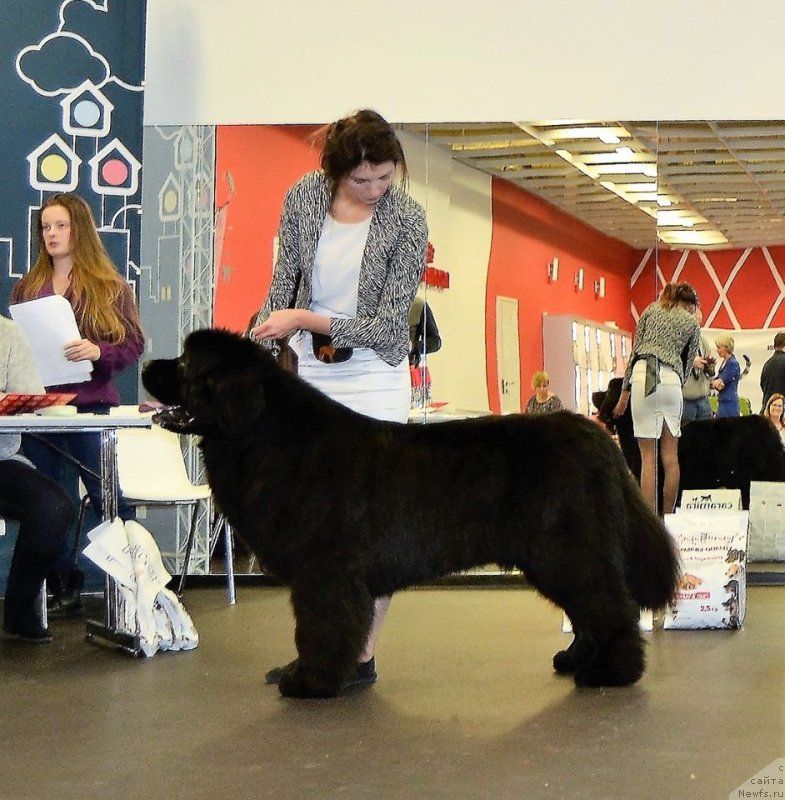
285 357
282 351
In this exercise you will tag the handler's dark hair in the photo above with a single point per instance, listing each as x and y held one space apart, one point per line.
364 136
678 293
779 340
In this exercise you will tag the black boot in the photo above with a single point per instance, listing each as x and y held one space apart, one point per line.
66 599
21 618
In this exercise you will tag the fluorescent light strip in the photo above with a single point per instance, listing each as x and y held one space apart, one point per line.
696 238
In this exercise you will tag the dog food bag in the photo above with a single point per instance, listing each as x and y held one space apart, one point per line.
767 521
710 500
712 587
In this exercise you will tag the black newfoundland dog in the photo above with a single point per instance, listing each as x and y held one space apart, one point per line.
344 508
713 453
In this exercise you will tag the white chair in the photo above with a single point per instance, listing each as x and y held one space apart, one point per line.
151 472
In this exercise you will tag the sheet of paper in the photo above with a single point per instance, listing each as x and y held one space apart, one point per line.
49 324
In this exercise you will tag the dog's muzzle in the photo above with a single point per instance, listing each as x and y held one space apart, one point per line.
177 419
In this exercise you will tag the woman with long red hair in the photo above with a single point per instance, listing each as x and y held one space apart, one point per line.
72 262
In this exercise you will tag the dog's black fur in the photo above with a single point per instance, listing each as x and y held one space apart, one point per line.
344 509
728 452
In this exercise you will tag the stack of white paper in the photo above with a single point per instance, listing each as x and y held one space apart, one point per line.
49 324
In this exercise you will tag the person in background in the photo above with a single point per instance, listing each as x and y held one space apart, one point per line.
72 262
726 384
666 342
351 255
697 386
543 400
41 506
774 411
772 376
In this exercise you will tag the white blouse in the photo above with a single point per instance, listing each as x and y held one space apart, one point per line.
336 270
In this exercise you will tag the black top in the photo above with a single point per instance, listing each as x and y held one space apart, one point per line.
772 377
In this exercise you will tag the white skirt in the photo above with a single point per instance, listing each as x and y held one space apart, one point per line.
665 404
365 383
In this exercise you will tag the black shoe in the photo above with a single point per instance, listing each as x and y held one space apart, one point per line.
66 608
273 677
365 675
66 600
35 634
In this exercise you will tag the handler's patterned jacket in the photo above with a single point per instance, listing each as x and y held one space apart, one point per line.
390 270
670 334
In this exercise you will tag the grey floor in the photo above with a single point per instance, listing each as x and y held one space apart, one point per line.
466 707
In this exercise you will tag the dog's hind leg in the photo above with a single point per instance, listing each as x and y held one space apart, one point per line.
333 618
579 652
608 649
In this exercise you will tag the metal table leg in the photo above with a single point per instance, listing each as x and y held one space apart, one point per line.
113 628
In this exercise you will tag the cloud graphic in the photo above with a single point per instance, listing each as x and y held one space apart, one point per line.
95 23
61 62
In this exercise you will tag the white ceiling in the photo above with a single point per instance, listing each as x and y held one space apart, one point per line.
706 184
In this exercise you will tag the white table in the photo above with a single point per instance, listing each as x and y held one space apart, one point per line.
107 425
446 413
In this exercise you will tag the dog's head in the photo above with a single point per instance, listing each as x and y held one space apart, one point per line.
606 401
216 383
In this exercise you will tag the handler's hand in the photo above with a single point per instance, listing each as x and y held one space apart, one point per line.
278 325
82 350
698 363
621 406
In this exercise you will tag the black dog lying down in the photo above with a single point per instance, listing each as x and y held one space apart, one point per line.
344 508
713 453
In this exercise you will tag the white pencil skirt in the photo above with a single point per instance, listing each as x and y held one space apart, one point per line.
664 405
364 383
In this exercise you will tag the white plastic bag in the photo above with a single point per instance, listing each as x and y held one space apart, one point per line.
108 550
185 635
129 554
767 521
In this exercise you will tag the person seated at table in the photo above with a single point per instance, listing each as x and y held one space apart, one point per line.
41 506
543 401
72 262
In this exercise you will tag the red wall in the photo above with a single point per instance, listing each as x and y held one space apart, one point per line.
262 161
527 234
747 277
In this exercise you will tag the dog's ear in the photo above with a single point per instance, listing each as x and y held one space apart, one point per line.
162 380
222 379
597 399
237 399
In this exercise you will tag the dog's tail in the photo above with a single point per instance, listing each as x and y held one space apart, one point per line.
652 562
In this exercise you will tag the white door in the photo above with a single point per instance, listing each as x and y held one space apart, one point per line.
508 359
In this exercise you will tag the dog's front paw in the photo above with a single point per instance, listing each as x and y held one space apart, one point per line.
618 663
564 662
300 683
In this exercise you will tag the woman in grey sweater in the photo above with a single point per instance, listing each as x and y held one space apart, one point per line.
663 353
41 506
